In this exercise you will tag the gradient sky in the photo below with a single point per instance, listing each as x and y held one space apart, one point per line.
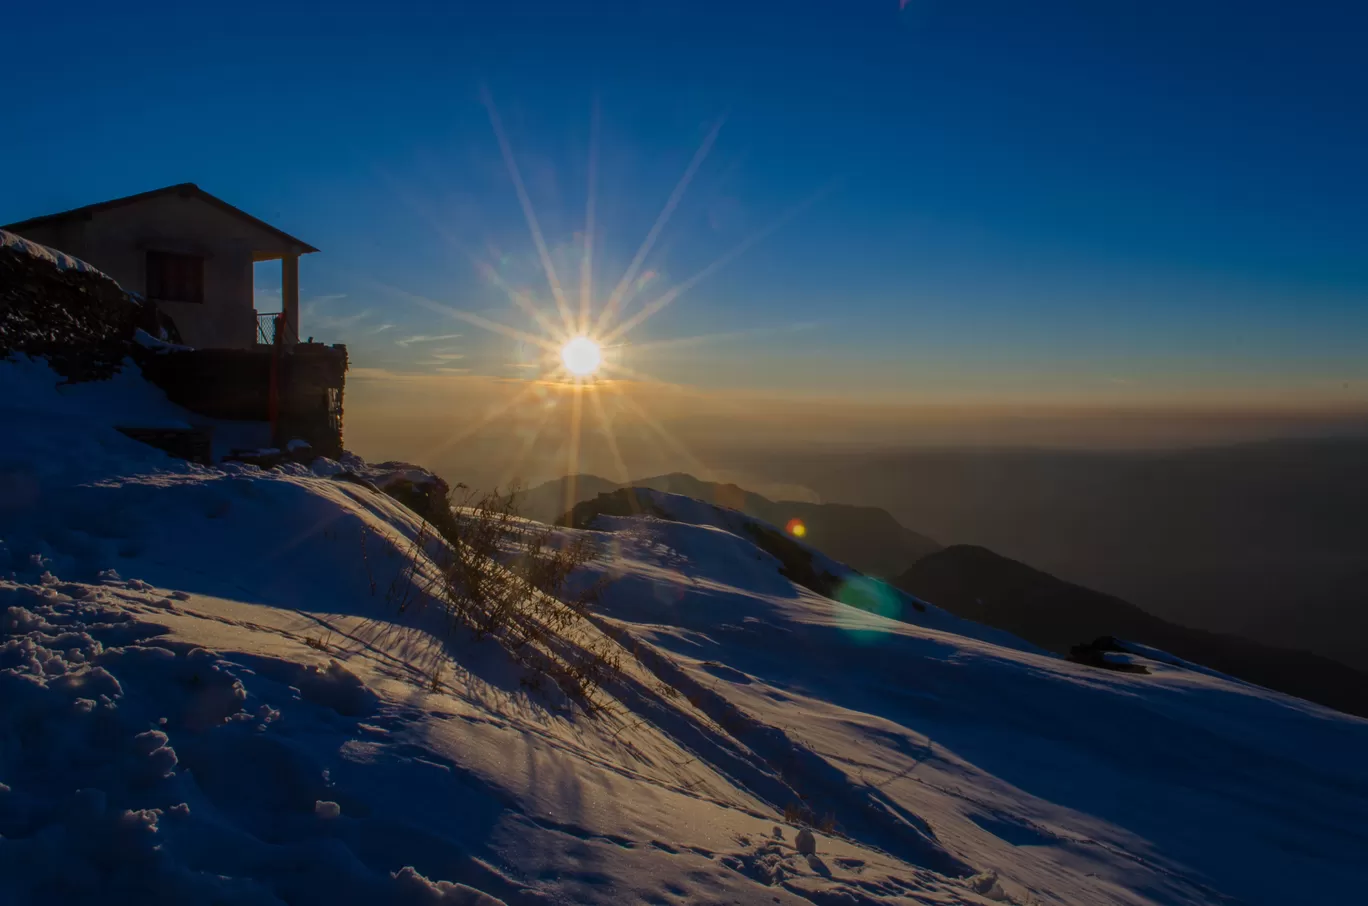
1113 202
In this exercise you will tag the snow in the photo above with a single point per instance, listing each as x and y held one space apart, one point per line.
61 260
161 347
71 421
211 695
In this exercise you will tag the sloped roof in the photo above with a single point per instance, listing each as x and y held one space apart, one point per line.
185 189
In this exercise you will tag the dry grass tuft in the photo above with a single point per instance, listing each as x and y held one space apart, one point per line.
499 576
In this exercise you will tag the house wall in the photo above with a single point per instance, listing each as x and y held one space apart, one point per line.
116 240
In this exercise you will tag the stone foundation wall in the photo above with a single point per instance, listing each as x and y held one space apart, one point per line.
236 384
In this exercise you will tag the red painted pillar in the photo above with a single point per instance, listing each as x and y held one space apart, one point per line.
275 377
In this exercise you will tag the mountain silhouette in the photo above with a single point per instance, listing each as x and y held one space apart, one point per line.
1266 539
866 538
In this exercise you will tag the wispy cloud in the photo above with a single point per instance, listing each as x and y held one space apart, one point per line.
314 314
441 357
382 328
362 373
316 319
405 375
426 338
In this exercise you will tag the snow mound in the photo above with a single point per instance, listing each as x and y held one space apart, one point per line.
60 260
141 767
773 557
157 345
59 308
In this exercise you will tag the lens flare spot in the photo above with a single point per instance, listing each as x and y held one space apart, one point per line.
796 528
581 356
871 596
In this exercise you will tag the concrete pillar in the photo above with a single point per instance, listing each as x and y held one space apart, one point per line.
289 296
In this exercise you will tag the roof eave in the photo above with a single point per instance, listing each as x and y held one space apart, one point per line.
184 189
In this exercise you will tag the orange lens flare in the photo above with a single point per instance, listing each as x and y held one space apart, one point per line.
796 528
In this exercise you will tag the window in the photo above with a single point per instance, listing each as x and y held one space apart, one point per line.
175 278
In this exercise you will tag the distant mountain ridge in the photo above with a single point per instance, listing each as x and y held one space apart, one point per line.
978 584
1264 539
866 538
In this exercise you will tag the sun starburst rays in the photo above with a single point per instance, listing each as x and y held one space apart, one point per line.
609 438
587 258
580 349
615 300
576 327
533 227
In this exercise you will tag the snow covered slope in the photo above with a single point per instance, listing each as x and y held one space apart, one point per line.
210 695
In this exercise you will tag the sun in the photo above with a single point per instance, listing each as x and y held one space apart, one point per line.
581 357
584 347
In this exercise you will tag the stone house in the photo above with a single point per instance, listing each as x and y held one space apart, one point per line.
190 253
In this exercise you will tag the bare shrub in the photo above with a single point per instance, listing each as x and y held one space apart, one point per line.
319 643
511 577
499 576
799 814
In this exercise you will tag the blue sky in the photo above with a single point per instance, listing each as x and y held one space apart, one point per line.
1047 200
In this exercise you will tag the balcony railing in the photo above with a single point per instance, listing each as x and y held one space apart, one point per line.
272 325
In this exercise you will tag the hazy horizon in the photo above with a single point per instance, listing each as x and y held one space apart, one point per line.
484 431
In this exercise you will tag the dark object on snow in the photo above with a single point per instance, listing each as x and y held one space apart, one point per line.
193 444
977 584
1094 654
